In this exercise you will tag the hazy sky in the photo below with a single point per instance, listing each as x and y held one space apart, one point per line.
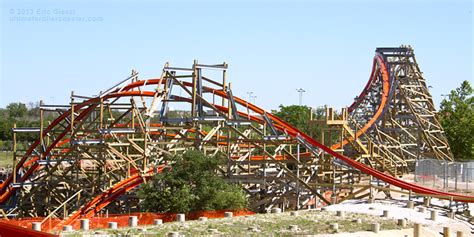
325 47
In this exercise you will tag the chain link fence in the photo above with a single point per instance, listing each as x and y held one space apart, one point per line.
447 176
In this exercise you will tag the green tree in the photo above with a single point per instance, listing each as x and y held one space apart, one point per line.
300 117
17 110
457 118
189 184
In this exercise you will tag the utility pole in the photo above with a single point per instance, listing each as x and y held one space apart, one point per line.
301 91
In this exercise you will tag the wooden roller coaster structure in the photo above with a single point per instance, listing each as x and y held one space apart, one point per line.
96 152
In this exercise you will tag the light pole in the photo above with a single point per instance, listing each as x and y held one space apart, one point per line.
253 99
301 91
444 97
250 93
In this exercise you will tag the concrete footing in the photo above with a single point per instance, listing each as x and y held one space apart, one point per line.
358 221
157 222
133 221
402 222
276 210
340 214
446 231
84 224
371 200
67 228
334 226
375 227
459 234
294 213
252 228
293 227
417 230
36 226
202 218
112 225
180 218
228 214
385 213
426 201
451 214
421 209
173 234
433 215
411 204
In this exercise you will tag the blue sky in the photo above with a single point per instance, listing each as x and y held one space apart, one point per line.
272 48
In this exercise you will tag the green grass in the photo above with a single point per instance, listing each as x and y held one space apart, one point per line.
6 158
308 222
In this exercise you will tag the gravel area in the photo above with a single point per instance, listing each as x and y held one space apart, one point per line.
314 222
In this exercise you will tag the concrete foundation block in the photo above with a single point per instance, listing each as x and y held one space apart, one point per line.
340 214
402 222
333 200
133 221
411 204
202 218
375 227
293 213
173 234
180 218
417 230
446 231
276 210
157 222
421 209
385 213
253 228
112 225
36 226
324 208
334 226
371 200
459 234
433 215
67 228
358 221
84 224
426 201
451 214
293 227
228 214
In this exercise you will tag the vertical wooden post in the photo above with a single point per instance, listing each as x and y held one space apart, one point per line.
72 113
14 154
229 105
224 83
101 113
193 105
298 176
41 128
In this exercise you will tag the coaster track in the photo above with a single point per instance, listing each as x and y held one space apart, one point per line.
100 148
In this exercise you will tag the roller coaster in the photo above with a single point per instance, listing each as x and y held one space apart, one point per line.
93 156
